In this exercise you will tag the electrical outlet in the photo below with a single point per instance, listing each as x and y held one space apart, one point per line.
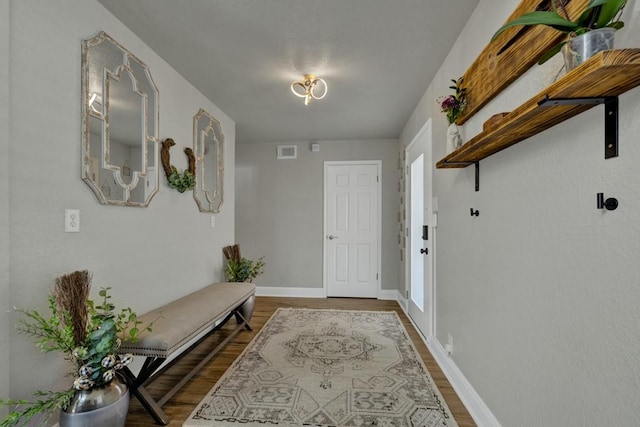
71 220
449 346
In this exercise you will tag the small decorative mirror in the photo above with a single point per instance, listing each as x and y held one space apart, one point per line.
208 145
119 124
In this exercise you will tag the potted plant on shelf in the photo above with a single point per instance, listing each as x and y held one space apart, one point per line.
592 31
453 106
89 335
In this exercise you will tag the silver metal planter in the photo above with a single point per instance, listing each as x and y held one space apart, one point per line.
104 406
246 310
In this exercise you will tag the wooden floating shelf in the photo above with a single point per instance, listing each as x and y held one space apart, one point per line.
607 74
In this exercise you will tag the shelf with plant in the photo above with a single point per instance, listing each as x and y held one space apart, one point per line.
607 74
597 15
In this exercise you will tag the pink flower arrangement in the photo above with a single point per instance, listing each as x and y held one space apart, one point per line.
453 105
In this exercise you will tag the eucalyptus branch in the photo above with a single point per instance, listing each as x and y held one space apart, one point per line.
52 400
51 333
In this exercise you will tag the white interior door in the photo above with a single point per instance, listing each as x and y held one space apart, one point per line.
352 229
419 246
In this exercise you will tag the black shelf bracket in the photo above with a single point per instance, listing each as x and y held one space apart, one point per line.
610 117
469 164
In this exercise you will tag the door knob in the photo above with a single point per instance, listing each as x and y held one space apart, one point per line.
424 251
331 237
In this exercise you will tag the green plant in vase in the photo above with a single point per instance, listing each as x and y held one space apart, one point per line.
87 334
453 106
243 269
598 15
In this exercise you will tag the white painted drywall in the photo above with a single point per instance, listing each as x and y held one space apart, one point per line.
148 256
541 292
5 304
279 208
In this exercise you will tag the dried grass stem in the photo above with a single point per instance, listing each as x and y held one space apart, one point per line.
71 292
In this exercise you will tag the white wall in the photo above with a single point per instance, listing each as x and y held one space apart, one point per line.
279 206
541 292
148 256
5 328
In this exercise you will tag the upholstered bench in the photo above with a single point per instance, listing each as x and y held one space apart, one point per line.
177 328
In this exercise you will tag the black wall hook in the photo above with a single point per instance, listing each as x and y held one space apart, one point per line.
610 204
475 213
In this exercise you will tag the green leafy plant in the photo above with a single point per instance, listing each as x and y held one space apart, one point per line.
454 105
244 269
181 181
597 14
88 334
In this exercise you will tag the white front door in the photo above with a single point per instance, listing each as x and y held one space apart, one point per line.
352 228
419 244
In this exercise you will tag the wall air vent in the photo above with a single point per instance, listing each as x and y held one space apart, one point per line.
287 152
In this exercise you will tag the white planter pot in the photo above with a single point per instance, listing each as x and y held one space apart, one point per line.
454 140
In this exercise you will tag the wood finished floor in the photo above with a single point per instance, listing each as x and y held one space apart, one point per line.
182 403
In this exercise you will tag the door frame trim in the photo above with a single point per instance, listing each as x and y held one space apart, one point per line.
327 163
428 171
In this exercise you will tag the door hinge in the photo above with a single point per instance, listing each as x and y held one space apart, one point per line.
376 276
377 178
406 294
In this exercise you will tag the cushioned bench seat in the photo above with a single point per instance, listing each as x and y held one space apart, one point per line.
176 323
175 327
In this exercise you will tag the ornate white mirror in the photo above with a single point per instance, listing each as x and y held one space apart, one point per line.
119 124
208 146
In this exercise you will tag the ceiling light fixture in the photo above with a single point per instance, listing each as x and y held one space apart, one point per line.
309 87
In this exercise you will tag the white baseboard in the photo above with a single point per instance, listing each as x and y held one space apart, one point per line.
282 291
478 410
388 294
297 292
403 303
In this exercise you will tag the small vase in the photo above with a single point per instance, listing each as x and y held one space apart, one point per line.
102 406
580 48
454 140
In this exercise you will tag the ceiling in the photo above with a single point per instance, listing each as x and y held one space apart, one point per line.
377 56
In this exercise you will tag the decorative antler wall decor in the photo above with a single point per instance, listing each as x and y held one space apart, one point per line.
180 181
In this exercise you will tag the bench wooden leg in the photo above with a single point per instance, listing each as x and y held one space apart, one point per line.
151 406
136 388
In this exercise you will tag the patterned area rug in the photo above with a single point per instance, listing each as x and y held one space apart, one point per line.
326 368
